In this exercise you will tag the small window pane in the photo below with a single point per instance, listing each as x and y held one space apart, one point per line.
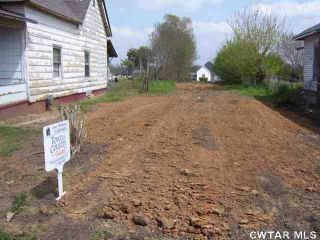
87 71
87 64
56 62
57 55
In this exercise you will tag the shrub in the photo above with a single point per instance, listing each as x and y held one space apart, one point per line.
288 94
203 79
162 87
18 203
77 128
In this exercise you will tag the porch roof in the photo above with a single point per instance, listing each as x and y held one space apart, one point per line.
111 50
15 16
310 31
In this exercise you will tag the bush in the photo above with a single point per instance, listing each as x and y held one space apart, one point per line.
162 87
288 94
203 79
77 128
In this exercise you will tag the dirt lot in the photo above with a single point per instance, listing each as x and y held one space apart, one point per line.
200 163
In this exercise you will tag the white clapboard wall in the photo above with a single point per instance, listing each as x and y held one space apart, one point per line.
309 45
73 40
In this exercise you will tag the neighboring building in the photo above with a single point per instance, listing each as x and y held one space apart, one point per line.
311 38
52 49
207 72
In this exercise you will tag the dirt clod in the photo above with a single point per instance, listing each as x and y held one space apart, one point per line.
186 172
140 221
166 223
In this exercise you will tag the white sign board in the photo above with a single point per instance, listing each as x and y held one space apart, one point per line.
56 139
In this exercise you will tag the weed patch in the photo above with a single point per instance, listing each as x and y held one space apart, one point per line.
284 94
123 89
11 139
18 203
162 87
7 236
127 88
251 91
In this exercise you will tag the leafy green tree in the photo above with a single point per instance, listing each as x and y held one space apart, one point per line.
174 48
140 57
251 53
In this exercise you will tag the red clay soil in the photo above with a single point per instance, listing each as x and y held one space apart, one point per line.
200 163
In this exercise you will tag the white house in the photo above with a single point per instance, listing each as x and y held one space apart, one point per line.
311 66
206 71
52 49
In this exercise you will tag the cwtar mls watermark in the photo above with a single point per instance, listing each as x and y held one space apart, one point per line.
283 235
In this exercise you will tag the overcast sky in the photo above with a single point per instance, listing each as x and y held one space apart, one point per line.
133 20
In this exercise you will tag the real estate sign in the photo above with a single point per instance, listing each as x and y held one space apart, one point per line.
56 139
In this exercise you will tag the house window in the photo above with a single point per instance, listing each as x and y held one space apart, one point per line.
87 63
57 62
94 2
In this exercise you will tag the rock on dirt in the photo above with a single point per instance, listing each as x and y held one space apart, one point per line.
186 172
125 208
44 210
10 216
136 203
140 221
166 223
195 222
255 192
217 210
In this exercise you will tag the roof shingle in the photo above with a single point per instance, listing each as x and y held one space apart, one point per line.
73 9
310 31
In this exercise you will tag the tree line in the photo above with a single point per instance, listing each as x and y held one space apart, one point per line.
170 54
260 45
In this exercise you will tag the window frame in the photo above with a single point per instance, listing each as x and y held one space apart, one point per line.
53 63
87 63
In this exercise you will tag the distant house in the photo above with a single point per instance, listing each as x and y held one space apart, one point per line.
52 49
207 72
311 38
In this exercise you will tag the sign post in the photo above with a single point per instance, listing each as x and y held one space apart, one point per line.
56 139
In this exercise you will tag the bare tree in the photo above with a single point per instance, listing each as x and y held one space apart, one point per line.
259 30
292 53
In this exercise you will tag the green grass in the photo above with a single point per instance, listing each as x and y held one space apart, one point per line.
18 203
11 139
162 87
127 88
99 235
282 94
257 91
6 236
122 89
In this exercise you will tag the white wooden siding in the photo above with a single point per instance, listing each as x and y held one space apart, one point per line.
12 94
74 41
309 82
